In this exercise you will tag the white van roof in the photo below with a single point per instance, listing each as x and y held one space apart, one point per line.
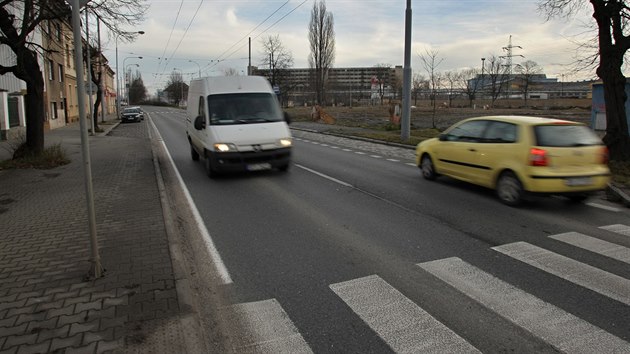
233 84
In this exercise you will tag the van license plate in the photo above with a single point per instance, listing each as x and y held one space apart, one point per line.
258 167
578 181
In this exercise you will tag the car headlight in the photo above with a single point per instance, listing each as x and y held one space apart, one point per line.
286 142
224 147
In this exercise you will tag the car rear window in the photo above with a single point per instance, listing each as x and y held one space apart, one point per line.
565 135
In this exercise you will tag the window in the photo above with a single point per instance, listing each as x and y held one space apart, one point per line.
51 70
500 132
469 131
58 31
60 73
53 110
565 135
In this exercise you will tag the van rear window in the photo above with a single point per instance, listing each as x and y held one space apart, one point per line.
243 108
565 135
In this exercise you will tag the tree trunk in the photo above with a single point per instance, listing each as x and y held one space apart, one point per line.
617 138
97 103
34 104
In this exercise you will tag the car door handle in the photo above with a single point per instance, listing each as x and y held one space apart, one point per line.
472 150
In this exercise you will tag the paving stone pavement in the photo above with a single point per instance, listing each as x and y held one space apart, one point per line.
46 302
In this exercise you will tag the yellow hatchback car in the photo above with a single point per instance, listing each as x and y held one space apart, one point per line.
519 155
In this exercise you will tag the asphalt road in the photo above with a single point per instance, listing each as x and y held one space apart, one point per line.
352 251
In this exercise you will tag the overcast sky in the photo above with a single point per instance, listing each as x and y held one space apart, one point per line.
212 35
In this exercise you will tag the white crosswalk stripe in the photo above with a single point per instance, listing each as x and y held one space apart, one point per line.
403 325
618 228
262 327
595 245
558 328
598 280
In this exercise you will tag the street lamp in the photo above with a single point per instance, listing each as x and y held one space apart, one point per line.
128 82
117 79
483 60
198 66
124 60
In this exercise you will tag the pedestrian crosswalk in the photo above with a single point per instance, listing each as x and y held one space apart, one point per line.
407 327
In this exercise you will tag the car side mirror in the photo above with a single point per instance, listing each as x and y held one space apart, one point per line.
200 123
287 118
443 137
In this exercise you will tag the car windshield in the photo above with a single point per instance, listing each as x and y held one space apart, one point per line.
131 110
243 108
565 135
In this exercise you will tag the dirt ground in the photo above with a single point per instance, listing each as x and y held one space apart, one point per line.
422 114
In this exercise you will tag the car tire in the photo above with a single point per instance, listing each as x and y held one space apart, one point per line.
427 168
509 189
577 198
193 153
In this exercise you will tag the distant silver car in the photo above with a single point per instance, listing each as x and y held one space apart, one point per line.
132 114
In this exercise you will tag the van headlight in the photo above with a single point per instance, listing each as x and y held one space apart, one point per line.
286 142
224 147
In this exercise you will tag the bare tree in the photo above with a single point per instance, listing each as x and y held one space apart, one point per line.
176 88
611 17
382 75
137 90
419 83
277 58
497 75
452 80
321 35
430 62
230 72
526 72
19 19
470 83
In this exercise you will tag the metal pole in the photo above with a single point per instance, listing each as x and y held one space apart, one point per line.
406 109
100 61
89 71
117 83
96 270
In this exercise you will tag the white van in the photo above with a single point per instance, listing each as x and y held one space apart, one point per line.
235 123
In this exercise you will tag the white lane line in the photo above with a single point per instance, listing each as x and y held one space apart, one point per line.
560 329
359 152
411 164
604 207
346 150
393 160
595 245
376 156
605 283
224 275
262 327
402 324
334 147
617 228
325 176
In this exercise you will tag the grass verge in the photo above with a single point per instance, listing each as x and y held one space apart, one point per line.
52 156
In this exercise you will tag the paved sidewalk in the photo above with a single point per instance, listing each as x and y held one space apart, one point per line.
46 304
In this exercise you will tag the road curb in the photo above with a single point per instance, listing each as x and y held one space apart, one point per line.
189 320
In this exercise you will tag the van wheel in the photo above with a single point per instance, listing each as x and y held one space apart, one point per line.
193 153
284 168
209 170
509 189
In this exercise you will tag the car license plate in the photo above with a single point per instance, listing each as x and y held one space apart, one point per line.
258 167
578 181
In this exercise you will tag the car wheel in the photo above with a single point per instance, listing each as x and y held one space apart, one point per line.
577 198
427 167
193 153
509 189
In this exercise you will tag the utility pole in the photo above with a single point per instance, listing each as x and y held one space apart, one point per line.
508 64
405 124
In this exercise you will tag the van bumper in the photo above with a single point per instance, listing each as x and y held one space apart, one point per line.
250 160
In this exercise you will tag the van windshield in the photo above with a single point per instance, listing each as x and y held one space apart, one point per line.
243 108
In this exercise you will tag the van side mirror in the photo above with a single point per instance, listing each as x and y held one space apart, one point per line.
287 118
200 123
